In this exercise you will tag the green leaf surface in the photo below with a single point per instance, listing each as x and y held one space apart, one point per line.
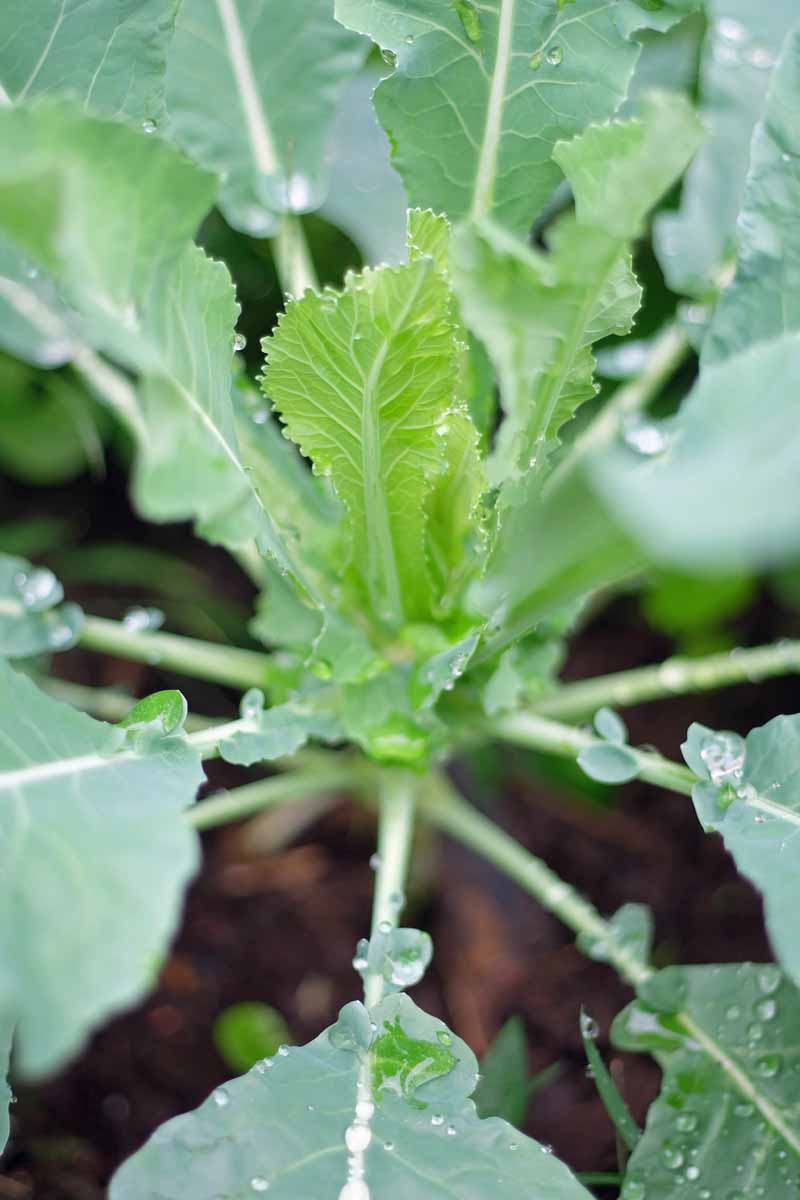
32 618
481 93
110 57
732 457
608 763
362 378
763 301
750 794
270 733
366 198
252 86
504 1086
346 1119
96 855
112 225
741 47
726 1123
6 1095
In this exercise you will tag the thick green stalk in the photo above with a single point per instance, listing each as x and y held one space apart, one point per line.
292 257
574 701
396 802
228 665
538 733
443 806
268 793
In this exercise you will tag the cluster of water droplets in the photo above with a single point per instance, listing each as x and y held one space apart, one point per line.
724 755
733 46
38 592
143 620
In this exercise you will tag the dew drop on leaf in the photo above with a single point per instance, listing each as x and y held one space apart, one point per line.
389 57
555 56
686 1122
149 125
258 1183
220 1097
252 704
239 341
437 1119
769 979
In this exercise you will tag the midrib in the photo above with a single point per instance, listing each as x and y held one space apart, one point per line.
258 131
383 580
487 160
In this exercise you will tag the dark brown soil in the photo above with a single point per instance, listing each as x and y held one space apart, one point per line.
280 927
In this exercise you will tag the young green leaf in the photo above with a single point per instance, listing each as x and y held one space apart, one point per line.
362 379
270 733
110 57
252 86
96 854
351 1115
726 1122
506 1085
617 172
741 47
627 1129
32 618
763 300
750 795
247 1032
481 94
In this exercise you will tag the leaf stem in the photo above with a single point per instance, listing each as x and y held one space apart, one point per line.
228 665
292 257
396 803
269 793
443 806
540 733
669 351
575 701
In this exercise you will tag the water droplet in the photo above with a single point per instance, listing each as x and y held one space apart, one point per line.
365 1110
143 620
733 1013
692 1173
686 1122
769 979
389 57
645 438
220 1097
437 1119
755 1032
360 963
705 1194
555 56
730 30
396 900
769 1066
535 60
451 1131
149 125
761 58
252 704
589 1027
239 341
443 1037
375 862
723 755
385 927
355 1189
258 1183
633 1190
546 1148
766 1009
357 1138
672 1156
283 1051
409 39
38 589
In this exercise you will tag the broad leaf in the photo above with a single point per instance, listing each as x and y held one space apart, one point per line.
251 88
32 618
110 57
366 197
363 379
96 854
481 94
751 795
763 301
350 1116
112 225
726 1123
741 48
734 450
